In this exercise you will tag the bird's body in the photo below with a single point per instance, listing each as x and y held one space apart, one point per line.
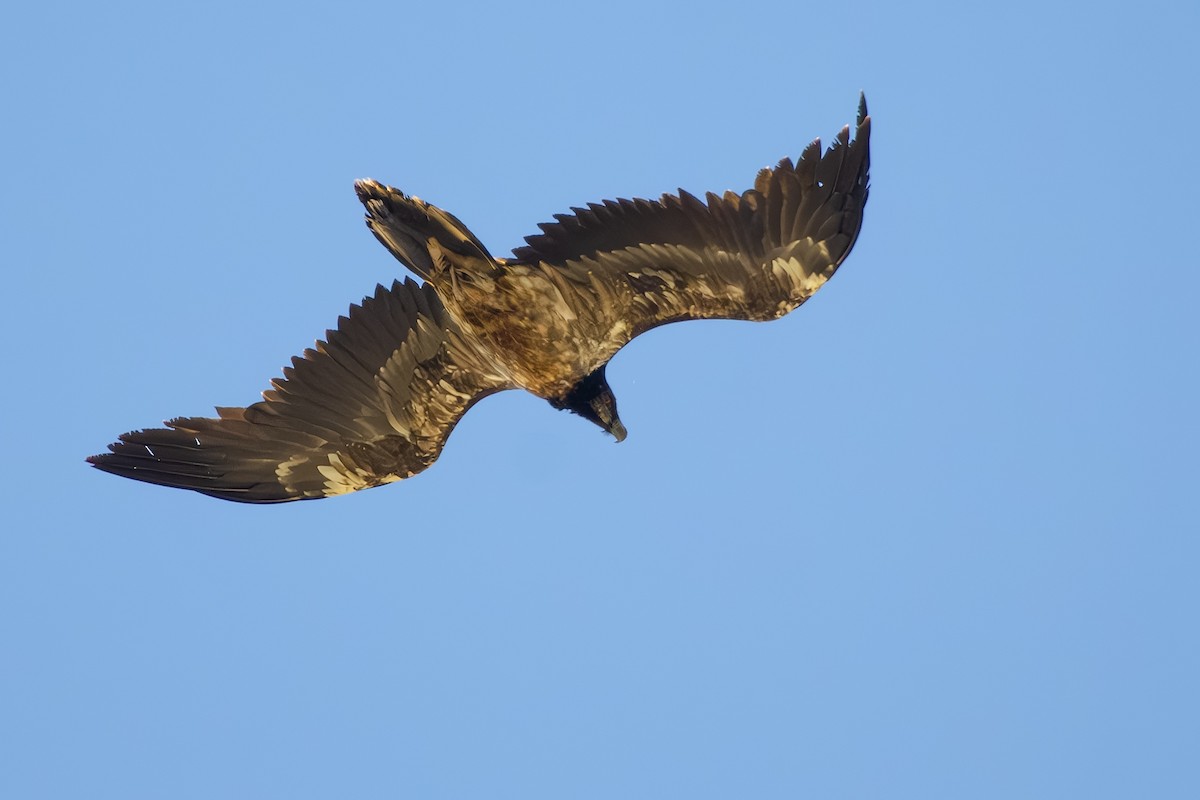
545 353
375 402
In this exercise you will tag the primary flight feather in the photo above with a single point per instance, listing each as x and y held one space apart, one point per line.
375 402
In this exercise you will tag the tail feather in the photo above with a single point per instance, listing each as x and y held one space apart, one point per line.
405 225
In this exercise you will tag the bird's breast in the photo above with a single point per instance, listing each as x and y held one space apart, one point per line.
546 340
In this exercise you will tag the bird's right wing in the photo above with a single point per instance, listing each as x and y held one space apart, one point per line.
371 405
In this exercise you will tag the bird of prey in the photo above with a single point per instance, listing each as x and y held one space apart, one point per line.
375 402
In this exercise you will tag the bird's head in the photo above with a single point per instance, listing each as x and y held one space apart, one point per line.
592 399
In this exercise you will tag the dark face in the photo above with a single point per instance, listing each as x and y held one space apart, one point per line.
592 399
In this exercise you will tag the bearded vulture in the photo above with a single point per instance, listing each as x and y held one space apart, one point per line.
375 402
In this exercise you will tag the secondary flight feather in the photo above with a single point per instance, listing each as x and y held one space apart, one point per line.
376 400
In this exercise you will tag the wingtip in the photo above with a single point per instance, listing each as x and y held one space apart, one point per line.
103 460
371 189
365 188
862 107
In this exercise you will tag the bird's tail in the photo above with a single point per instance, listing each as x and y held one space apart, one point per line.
422 236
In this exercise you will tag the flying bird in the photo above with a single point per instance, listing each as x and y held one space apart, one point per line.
376 400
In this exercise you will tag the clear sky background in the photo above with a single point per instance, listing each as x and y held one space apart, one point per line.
933 535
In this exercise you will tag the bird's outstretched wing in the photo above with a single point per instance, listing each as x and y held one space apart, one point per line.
372 404
631 265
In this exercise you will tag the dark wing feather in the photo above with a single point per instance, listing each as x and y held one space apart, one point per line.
372 404
630 265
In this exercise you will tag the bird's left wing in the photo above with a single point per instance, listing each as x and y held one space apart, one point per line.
372 404
627 266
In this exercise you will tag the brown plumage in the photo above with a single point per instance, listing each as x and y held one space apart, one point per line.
376 401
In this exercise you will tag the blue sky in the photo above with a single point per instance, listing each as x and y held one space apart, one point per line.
933 535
